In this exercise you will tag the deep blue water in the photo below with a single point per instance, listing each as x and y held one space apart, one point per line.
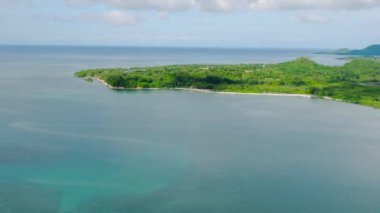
67 145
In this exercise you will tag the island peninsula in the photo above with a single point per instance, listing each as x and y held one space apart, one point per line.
358 81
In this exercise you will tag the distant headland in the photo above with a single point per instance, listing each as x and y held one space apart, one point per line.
355 82
372 50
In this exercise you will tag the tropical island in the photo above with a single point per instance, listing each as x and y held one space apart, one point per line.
358 81
370 51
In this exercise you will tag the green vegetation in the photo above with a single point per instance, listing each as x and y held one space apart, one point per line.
356 82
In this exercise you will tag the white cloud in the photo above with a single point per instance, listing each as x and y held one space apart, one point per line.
174 38
229 5
223 5
315 4
170 5
119 18
115 18
311 18
79 2
163 15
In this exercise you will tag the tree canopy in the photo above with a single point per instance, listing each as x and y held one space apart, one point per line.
358 81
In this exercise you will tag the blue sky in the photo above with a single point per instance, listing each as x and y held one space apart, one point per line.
192 23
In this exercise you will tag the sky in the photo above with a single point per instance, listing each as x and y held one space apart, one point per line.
192 23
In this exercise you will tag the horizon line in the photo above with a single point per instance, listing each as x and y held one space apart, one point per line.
161 46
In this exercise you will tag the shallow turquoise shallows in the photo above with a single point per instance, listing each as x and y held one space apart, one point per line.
69 146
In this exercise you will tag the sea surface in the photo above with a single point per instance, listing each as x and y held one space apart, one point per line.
69 146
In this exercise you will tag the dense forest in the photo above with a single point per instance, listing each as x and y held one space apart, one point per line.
358 81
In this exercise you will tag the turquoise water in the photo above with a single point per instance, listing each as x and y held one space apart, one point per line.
67 145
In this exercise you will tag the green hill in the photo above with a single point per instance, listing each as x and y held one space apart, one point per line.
373 50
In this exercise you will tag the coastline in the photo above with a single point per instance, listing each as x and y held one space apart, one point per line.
225 93
217 92
246 93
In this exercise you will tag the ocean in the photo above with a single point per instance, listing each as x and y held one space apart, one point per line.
67 145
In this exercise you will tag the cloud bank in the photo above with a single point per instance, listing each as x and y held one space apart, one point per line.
231 5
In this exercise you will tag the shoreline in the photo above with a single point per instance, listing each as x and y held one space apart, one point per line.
228 93
217 92
246 93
